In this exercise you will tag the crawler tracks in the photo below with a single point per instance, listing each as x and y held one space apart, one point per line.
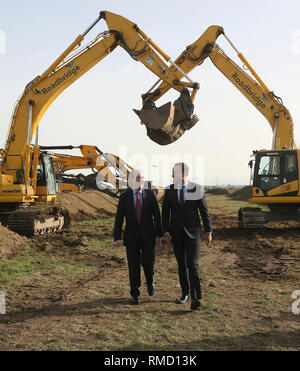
38 219
251 217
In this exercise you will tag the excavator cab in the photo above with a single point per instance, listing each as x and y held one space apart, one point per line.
46 179
276 173
275 184
167 123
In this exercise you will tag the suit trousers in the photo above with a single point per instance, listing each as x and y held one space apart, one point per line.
187 251
137 255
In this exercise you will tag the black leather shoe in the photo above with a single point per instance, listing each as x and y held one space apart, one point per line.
151 290
195 304
135 301
183 299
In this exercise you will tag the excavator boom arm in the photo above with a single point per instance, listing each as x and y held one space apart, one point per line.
191 57
253 88
263 100
42 91
110 166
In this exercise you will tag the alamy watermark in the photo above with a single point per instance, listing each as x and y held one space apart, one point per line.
2 303
2 42
296 303
296 42
157 167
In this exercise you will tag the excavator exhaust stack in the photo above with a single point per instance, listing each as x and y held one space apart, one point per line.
167 123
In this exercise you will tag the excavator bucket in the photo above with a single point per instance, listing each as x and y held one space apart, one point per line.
166 124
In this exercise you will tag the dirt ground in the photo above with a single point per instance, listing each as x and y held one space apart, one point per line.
10 243
88 205
69 290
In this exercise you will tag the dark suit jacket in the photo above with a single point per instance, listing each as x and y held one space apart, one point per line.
176 217
148 229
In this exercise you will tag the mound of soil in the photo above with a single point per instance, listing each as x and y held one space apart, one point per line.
242 194
218 191
10 243
88 205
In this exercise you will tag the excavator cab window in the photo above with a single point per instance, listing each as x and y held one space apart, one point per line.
275 169
49 174
269 172
41 178
290 167
46 175
269 166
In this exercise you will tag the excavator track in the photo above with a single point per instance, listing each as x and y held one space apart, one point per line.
38 219
251 217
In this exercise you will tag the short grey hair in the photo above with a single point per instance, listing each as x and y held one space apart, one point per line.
184 167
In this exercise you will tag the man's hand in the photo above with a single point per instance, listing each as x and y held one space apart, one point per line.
118 243
157 241
168 239
208 239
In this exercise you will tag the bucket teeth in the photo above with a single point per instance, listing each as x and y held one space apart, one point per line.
138 112
188 124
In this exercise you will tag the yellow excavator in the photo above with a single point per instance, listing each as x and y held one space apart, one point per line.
274 172
109 171
27 176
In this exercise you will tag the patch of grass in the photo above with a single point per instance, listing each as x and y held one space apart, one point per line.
25 246
55 344
212 310
101 335
103 221
261 301
120 290
227 204
66 270
30 261
85 223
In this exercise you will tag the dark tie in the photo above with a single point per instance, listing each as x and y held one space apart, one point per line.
181 201
138 207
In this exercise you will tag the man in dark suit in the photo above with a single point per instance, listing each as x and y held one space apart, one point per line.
182 230
142 232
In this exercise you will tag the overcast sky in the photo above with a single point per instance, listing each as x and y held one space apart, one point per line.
97 109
